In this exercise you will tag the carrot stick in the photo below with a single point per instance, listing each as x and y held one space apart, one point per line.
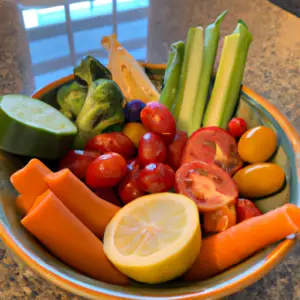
94 212
23 203
29 181
68 239
223 250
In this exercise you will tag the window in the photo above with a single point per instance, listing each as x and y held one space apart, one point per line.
60 35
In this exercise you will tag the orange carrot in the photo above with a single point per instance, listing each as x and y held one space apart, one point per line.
223 250
24 203
29 181
94 212
67 238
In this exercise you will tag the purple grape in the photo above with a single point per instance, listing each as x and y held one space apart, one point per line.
133 109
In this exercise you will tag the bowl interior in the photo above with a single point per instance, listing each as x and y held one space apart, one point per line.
28 247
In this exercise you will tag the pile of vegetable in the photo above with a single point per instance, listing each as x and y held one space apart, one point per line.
149 180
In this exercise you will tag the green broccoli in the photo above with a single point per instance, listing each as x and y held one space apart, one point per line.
70 99
102 109
89 70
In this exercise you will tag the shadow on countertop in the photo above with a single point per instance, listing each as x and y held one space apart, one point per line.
292 6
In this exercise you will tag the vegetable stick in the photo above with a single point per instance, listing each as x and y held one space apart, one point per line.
24 203
172 74
223 250
29 181
189 78
94 212
67 238
211 41
225 93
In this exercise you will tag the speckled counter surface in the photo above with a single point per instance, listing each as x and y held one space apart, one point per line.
273 70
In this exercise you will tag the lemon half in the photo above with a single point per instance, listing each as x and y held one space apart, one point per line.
155 238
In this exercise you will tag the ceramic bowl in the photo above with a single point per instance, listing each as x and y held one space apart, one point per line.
255 110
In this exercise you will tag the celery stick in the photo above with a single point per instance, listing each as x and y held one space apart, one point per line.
192 66
229 77
172 75
211 41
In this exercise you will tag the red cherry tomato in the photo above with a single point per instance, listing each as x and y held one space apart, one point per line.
77 161
158 119
112 142
133 164
207 184
151 149
106 171
220 219
128 189
237 126
156 178
108 194
213 145
246 209
174 151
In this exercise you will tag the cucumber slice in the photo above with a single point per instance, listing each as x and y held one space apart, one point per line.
31 127
192 66
229 76
211 41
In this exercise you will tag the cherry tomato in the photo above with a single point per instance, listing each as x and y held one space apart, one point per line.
158 119
213 145
246 209
112 142
106 171
128 189
207 184
257 144
77 161
108 194
151 149
133 164
237 126
174 151
156 178
220 220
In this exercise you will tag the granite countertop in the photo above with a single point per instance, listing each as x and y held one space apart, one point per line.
273 70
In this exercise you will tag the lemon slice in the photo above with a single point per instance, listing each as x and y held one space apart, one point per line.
155 238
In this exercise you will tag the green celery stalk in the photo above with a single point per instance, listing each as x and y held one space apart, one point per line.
172 75
211 41
191 71
229 77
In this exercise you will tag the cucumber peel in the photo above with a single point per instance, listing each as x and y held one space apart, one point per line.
191 71
31 127
229 77
172 74
211 41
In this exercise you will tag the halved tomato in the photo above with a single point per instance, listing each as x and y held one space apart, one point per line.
220 219
213 145
207 184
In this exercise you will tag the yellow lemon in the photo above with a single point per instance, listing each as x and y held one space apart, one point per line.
154 238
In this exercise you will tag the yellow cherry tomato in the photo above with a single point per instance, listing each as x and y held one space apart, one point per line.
259 180
257 144
134 131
